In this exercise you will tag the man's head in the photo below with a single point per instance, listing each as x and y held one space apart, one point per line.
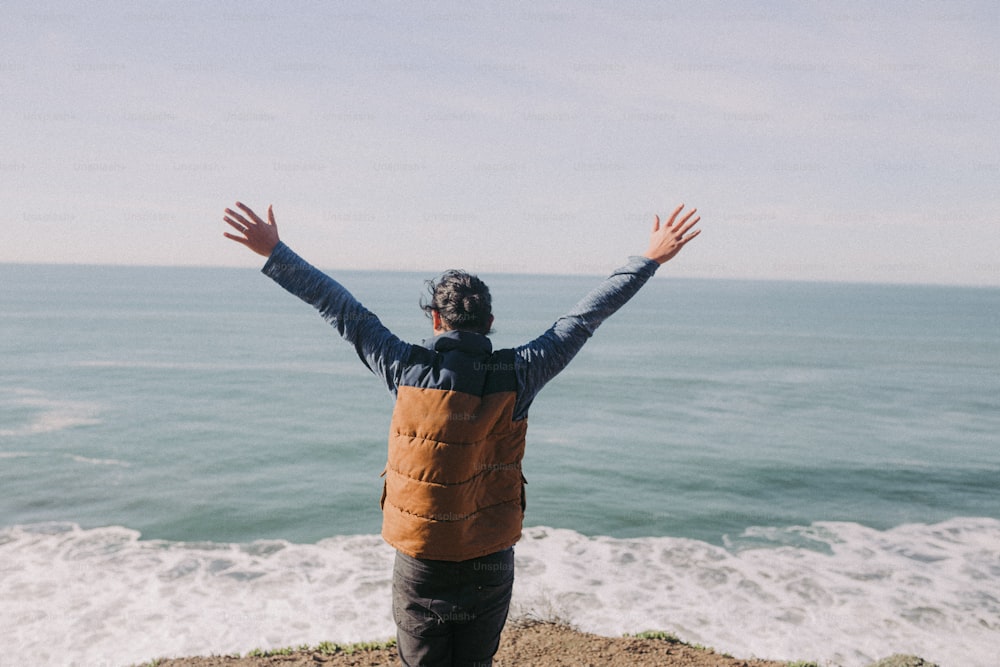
460 301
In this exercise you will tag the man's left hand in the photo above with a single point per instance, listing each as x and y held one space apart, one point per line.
259 236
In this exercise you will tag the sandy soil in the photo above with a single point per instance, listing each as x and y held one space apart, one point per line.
523 645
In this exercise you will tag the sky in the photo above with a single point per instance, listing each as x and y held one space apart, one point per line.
840 141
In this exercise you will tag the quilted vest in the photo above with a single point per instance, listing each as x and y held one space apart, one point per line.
453 484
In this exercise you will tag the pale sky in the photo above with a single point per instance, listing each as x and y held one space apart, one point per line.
847 141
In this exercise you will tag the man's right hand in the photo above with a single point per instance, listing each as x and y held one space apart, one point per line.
259 236
667 241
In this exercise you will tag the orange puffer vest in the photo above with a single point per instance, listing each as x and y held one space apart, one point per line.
453 485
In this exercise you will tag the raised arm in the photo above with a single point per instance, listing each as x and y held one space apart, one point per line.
380 350
540 360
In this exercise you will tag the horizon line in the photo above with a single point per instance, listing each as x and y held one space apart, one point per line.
329 270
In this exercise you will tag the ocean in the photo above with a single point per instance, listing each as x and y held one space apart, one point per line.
190 459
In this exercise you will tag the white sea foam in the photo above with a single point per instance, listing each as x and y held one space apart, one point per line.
47 414
98 462
105 597
931 590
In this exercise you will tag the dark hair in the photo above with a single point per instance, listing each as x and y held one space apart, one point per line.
462 300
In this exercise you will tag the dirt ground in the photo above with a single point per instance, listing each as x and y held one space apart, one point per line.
523 645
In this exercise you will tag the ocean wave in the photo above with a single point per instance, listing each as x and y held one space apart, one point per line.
241 365
866 594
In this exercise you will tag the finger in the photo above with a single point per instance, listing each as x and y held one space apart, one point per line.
270 215
656 223
673 216
688 226
249 211
238 239
690 236
236 225
690 213
239 218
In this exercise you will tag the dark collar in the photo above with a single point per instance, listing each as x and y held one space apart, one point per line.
466 341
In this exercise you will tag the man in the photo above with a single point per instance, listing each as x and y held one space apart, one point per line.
453 498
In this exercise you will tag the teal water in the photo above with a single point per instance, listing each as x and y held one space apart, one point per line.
190 460
197 404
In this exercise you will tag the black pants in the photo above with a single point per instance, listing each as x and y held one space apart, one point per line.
451 614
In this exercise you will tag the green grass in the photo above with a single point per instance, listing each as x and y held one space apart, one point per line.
328 648
668 637
325 648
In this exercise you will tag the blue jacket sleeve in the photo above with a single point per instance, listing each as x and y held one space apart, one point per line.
542 359
381 351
